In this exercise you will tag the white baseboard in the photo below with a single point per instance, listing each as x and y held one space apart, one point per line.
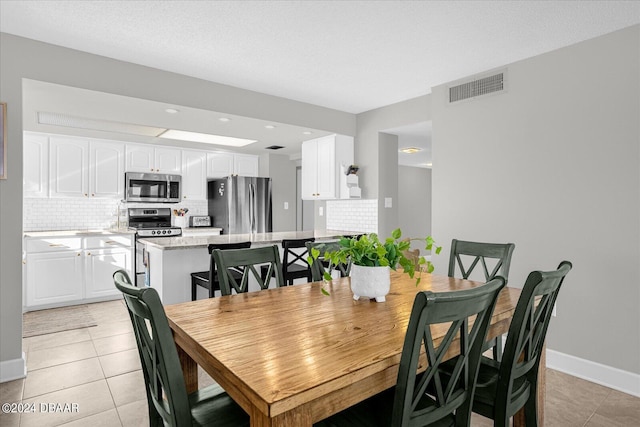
617 379
13 369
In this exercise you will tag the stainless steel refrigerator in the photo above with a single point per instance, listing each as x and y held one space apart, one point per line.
240 204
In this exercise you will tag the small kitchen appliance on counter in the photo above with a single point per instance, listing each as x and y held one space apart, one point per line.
199 221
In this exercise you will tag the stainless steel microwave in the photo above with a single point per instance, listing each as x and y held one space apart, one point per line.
152 187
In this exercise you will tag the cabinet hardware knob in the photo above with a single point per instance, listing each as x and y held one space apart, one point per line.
110 242
86 195
55 245
78 254
88 253
93 195
24 261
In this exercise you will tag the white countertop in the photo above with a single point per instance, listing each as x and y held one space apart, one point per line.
80 233
190 242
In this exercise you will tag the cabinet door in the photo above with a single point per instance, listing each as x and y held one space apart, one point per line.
106 169
326 168
68 167
309 185
36 165
168 160
140 158
194 175
100 264
219 165
54 277
246 165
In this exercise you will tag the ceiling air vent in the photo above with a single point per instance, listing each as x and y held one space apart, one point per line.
274 147
478 87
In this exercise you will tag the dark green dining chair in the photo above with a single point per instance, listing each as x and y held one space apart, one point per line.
466 256
506 386
209 279
167 398
422 396
294 260
250 262
320 265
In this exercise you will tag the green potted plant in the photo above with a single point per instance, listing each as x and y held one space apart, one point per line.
372 259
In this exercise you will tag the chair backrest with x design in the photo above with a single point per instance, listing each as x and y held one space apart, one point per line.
320 265
500 252
423 398
164 382
527 332
248 261
294 259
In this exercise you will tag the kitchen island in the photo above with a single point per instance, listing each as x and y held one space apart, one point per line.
171 260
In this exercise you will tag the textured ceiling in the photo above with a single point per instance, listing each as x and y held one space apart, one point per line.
348 55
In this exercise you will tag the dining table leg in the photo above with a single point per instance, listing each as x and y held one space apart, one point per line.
519 418
189 370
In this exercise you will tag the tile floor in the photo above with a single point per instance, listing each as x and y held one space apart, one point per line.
98 369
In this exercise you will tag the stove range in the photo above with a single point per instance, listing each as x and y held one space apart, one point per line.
152 222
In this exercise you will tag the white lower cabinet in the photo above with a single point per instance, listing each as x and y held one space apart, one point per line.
72 270
100 264
54 277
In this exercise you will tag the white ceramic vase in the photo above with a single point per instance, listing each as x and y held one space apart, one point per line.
370 282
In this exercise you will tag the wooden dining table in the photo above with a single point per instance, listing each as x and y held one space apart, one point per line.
292 356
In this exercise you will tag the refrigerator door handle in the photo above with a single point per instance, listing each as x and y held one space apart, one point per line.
252 210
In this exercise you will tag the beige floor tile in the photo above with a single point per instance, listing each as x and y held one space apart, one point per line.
134 414
59 377
91 398
115 343
108 418
621 408
44 358
11 391
9 420
109 312
480 421
120 363
57 339
127 388
600 421
111 329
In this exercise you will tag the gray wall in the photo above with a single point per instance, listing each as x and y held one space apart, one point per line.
377 165
283 183
553 165
414 203
22 58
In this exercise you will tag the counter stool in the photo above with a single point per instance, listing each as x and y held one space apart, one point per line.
209 279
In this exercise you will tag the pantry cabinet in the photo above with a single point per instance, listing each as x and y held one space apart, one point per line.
149 158
323 161
65 270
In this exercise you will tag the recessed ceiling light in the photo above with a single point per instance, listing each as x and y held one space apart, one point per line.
270 126
224 119
206 138
410 150
307 132
172 110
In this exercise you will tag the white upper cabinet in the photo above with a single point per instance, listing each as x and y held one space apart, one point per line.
36 165
246 165
323 160
219 165
106 169
149 158
69 167
194 175
82 168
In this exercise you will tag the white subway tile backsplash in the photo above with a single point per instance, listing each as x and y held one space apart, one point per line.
42 214
359 215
